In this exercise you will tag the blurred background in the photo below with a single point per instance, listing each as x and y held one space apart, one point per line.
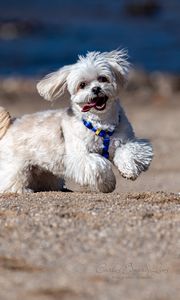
39 36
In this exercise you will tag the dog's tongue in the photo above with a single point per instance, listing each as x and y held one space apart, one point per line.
88 106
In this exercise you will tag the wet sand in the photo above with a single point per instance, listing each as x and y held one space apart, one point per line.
123 245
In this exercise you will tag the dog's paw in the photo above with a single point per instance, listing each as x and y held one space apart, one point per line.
106 182
133 158
92 170
102 174
129 176
132 171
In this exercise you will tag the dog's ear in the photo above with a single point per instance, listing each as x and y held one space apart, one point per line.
54 85
118 59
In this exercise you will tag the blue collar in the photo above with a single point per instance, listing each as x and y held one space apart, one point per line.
105 134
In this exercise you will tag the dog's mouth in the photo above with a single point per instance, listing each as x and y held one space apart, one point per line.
99 103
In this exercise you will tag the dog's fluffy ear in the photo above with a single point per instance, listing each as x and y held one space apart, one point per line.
54 85
118 59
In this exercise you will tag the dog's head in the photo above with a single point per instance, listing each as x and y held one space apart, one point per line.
92 83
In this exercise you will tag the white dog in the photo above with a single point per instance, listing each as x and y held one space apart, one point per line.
80 142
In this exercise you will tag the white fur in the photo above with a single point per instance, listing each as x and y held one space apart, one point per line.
39 150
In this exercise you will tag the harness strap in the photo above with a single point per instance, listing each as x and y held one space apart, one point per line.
105 134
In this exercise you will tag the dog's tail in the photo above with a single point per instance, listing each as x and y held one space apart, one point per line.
5 121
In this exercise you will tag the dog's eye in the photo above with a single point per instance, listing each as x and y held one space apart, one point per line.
102 79
82 85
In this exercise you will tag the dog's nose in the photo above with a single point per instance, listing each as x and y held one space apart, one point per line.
96 90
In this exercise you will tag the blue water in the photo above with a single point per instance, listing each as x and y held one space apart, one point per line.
72 27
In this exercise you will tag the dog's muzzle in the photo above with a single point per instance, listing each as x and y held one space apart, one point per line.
99 103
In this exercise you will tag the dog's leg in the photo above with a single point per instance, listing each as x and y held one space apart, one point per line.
133 157
90 169
14 178
14 185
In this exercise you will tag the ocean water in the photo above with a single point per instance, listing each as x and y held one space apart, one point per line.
64 29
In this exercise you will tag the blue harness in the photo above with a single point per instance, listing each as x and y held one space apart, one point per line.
105 134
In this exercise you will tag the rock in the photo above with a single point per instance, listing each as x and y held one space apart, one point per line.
147 8
15 28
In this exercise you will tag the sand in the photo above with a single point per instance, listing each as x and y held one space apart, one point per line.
81 245
90 246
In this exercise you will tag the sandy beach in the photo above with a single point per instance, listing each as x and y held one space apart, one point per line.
82 245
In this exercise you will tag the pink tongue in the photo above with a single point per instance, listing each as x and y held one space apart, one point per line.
88 106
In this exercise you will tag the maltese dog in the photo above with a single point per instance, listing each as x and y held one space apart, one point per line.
80 142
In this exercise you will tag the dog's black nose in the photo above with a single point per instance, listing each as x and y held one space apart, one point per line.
96 90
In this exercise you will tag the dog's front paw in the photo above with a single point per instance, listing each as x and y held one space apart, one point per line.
106 181
92 170
132 169
103 176
133 158
129 175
